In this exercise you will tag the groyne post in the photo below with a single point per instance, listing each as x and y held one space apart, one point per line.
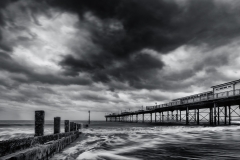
71 126
39 123
74 126
66 123
57 124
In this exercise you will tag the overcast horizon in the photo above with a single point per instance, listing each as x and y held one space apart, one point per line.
67 57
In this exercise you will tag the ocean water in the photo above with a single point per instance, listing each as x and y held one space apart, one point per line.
137 141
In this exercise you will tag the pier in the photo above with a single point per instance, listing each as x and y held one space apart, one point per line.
218 107
40 146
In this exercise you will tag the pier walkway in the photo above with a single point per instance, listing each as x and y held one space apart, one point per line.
215 109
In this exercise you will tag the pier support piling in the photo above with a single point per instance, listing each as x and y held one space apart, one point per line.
225 115
155 117
187 116
229 115
142 118
215 114
39 123
151 117
197 116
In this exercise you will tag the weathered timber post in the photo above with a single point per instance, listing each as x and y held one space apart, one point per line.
74 126
168 116
197 116
136 118
57 124
215 114
229 115
218 116
187 114
66 122
39 123
172 116
106 119
71 126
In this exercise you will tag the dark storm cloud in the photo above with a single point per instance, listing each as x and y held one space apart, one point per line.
10 65
138 24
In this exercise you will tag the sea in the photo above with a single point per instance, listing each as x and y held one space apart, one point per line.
139 141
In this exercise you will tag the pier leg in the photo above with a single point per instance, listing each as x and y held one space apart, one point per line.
177 115
197 116
225 115
180 116
210 115
187 114
172 116
143 118
229 115
155 117
215 114
162 117
137 118
151 117
39 123
218 116
167 115
66 123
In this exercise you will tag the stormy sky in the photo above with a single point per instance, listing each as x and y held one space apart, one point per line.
70 56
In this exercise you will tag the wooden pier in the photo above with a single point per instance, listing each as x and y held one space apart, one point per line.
216 109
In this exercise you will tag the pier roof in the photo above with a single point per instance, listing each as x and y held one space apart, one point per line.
227 83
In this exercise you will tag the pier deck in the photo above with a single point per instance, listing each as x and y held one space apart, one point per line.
217 109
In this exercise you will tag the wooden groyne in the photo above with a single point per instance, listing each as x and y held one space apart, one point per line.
40 147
